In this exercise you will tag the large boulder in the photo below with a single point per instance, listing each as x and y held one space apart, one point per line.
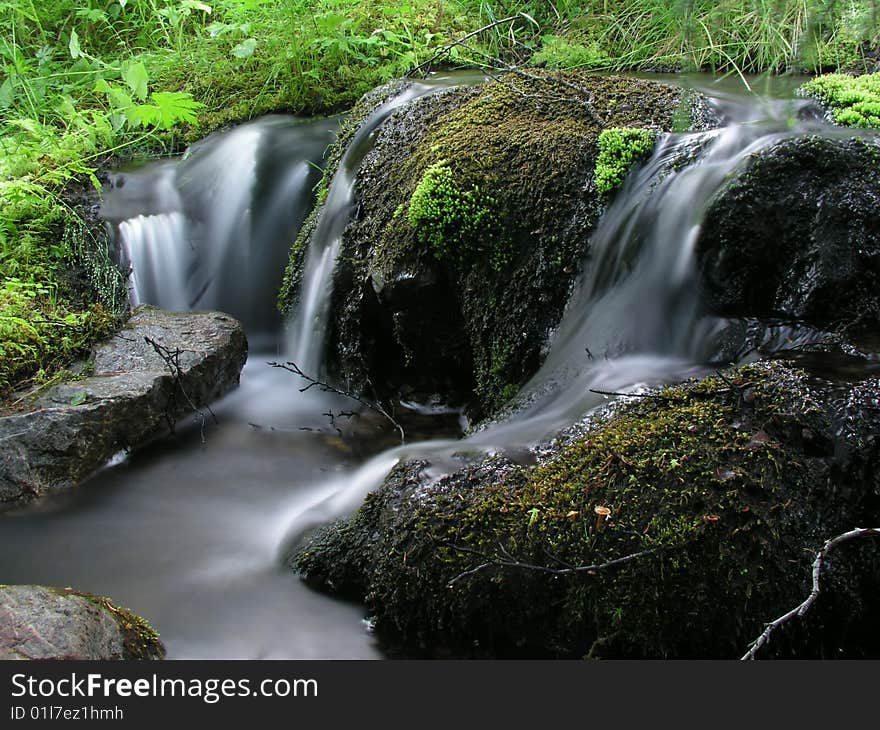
474 207
135 392
37 622
796 235
722 490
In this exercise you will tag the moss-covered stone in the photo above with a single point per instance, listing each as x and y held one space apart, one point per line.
474 208
729 483
457 224
42 622
795 235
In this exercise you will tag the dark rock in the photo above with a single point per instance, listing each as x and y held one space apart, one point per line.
59 623
469 315
732 483
75 427
796 235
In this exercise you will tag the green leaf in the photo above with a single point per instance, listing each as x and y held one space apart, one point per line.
135 75
195 5
118 98
245 49
78 398
75 51
143 115
174 107
7 94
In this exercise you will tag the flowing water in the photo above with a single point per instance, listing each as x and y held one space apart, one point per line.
193 533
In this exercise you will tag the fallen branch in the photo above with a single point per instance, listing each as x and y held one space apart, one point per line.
463 42
497 65
172 362
508 561
326 387
802 608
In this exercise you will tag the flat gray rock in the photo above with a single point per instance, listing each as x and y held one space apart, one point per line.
135 392
37 622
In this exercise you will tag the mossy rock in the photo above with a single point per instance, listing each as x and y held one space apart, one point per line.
796 235
40 622
730 484
474 211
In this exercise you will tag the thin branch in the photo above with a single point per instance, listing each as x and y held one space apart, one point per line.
460 42
497 64
617 394
510 562
802 608
326 387
172 362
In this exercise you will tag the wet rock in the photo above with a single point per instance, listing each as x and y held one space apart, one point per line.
474 207
37 622
796 235
723 488
70 430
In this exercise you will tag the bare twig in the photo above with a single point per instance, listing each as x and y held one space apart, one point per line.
802 608
292 367
171 358
460 42
617 394
498 65
508 561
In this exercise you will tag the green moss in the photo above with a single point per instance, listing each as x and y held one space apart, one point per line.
854 101
456 224
140 640
724 482
492 386
619 150
560 52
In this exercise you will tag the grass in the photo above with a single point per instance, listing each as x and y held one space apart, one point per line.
82 81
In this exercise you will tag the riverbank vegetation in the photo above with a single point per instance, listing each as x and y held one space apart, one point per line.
85 81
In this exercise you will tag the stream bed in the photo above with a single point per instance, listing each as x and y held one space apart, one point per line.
192 531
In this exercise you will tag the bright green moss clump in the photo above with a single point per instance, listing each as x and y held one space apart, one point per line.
854 101
619 150
454 222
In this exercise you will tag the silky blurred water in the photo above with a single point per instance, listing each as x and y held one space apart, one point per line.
192 531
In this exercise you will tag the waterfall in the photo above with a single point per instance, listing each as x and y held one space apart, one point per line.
634 318
212 230
307 331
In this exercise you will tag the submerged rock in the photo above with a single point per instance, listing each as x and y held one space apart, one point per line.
722 489
37 622
796 235
133 394
474 207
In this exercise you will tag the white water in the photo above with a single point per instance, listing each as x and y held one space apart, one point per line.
212 230
633 320
192 535
307 331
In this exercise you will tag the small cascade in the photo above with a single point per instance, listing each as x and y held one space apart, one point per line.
307 331
634 318
209 522
212 230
